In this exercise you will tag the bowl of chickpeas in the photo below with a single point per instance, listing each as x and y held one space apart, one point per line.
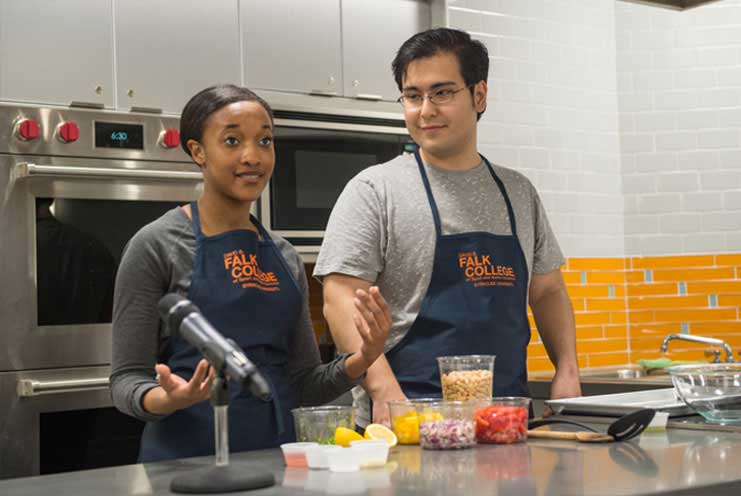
466 377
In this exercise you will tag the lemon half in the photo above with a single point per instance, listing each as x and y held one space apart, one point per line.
379 431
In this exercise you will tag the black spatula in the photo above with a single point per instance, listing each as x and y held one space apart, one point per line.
626 427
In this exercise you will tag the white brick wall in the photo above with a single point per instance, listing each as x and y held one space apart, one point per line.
679 85
553 111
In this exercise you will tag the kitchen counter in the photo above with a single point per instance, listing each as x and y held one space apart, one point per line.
675 461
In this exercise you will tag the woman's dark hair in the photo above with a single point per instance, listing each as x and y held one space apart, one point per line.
204 103
472 55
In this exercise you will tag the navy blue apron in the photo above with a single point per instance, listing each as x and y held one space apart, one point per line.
476 304
243 286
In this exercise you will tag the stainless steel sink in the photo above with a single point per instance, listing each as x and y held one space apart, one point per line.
626 375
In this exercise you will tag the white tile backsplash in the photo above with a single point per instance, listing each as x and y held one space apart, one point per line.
702 202
681 182
680 223
627 117
662 203
655 162
693 114
732 200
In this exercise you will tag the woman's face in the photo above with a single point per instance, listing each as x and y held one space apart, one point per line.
236 151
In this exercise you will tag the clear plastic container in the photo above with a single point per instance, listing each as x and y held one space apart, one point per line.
503 420
318 424
448 424
405 418
316 456
372 453
466 377
294 454
343 460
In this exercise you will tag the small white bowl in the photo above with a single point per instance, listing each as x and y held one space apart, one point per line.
372 453
344 460
294 454
316 456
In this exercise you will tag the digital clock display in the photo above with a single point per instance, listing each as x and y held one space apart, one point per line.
116 135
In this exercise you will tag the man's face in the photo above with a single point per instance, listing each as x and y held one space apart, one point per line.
445 129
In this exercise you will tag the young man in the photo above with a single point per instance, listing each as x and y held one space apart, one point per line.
456 245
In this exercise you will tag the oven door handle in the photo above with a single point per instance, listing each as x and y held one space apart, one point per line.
26 169
27 388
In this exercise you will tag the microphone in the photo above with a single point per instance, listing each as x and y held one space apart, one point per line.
186 320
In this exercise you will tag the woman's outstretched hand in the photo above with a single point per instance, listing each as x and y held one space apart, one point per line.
373 321
175 393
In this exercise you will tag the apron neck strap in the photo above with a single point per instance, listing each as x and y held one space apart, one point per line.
433 204
196 219
428 189
197 223
263 232
510 210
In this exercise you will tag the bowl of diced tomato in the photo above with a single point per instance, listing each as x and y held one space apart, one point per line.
503 420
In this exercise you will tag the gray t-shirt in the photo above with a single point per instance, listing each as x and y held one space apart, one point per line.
381 230
159 260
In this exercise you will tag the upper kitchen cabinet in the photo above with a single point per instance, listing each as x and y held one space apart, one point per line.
167 50
292 46
56 52
372 32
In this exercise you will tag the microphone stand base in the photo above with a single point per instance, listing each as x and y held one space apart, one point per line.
221 479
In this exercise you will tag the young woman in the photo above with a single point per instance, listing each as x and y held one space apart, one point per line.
250 285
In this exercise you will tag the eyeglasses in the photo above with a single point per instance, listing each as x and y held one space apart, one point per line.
413 100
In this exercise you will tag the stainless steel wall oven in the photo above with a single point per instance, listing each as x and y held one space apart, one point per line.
76 184
316 155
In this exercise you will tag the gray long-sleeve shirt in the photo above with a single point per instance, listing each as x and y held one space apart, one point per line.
158 260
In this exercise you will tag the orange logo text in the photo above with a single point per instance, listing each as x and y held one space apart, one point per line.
479 270
245 270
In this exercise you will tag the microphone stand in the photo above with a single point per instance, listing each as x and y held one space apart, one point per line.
221 477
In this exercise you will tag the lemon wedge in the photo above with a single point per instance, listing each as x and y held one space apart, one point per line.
344 436
379 431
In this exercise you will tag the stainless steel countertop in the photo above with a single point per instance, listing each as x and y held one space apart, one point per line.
675 461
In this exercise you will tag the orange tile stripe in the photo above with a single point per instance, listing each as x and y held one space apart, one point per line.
624 307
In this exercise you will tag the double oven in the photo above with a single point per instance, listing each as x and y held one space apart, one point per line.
76 184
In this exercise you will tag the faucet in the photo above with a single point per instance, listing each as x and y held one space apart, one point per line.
699 339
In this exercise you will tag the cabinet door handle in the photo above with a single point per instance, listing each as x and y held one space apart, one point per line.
27 388
323 92
367 96
25 169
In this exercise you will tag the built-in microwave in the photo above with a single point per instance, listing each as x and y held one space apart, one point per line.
316 155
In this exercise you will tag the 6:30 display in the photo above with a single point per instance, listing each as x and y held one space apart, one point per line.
119 136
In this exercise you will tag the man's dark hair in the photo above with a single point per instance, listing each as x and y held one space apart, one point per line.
204 103
472 55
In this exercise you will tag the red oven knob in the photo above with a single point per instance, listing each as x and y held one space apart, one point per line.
27 129
68 132
170 138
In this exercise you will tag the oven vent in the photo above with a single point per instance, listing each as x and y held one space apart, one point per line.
345 119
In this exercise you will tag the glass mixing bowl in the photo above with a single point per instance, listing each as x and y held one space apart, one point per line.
318 424
713 390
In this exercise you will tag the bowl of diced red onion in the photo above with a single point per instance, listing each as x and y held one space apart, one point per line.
461 424
448 424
